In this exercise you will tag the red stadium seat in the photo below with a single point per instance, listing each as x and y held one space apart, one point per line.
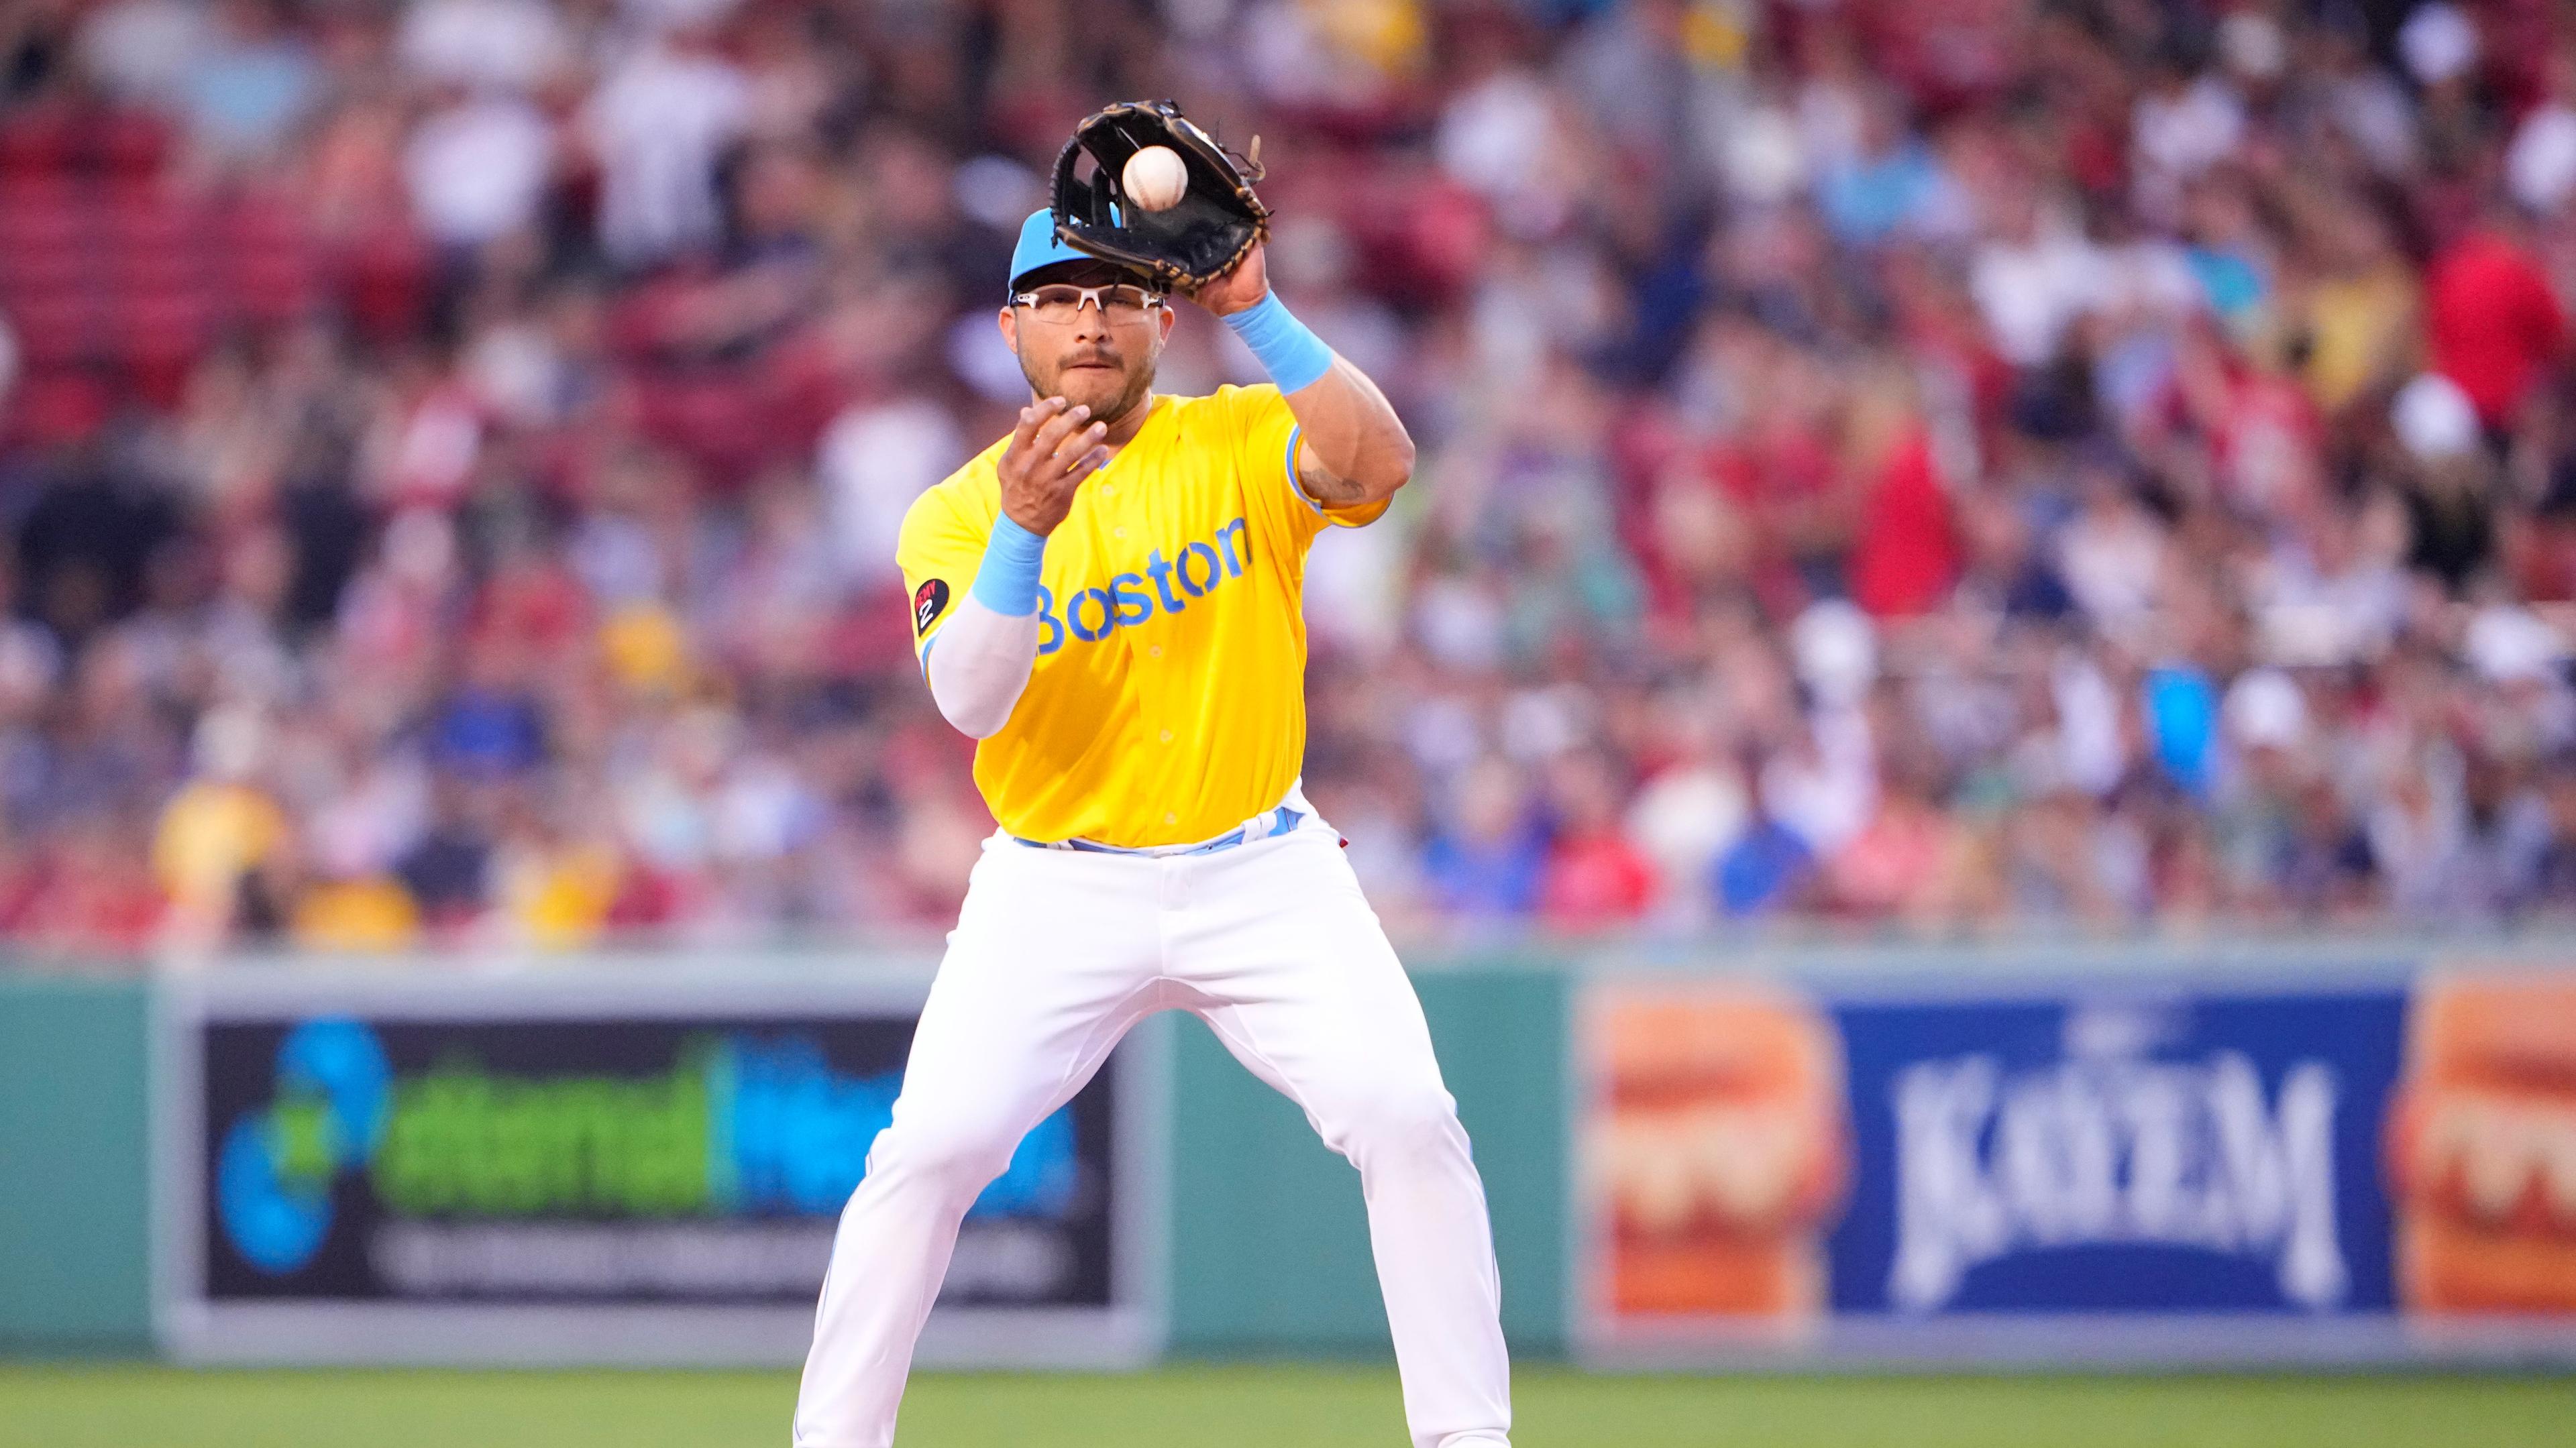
132 144
37 143
59 406
49 275
385 283
42 212
154 271
56 331
145 219
261 223
716 420
160 339
263 257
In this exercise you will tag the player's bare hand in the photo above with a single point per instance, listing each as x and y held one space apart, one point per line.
1054 448
1239 289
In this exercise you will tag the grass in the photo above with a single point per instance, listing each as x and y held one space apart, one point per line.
1270 1407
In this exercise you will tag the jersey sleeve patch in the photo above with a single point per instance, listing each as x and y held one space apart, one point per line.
928 602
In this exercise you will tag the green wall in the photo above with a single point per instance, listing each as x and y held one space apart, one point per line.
1269 1241
75 1215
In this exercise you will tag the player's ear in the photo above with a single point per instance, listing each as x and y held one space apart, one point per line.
1168 315
1010 325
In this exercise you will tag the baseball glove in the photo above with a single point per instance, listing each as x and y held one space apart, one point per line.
1193 242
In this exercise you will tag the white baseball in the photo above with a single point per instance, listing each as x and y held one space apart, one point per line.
1155 178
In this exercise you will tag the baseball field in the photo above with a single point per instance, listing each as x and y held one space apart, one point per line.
1270 1407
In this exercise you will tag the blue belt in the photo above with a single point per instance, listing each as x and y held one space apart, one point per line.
1278 822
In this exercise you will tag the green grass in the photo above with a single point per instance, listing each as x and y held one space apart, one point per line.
1270 1407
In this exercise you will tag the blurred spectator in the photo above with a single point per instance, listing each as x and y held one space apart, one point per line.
660 120
217 831
251 83
1594 876
2540 166
482 45
1488 863
477 169
2495 327
1890 183
1766 871
876 458
141 51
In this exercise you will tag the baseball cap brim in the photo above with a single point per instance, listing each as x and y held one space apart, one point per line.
1040 252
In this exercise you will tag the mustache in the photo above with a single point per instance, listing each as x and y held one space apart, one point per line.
1092 358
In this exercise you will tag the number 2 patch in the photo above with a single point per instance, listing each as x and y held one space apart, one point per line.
928 603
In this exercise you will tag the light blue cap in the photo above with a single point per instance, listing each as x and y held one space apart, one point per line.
1039 246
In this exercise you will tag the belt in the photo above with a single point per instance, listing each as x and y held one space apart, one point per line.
1261 827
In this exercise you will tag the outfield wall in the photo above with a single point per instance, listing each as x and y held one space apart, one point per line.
2222 1153
74 1167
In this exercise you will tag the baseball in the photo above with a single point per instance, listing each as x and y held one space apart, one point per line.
1155 178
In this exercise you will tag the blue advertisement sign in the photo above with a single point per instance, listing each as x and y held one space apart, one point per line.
2130 1153
599 1167
599 1160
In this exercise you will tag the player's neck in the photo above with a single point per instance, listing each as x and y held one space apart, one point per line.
1130 423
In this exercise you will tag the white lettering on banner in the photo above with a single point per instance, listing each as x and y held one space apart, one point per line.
587 1259
2113 1152
998 1260
1009 1261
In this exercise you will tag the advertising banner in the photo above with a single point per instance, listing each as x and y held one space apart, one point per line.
2482 1148
2143 1172
1714 1152
2174 1155
628 1170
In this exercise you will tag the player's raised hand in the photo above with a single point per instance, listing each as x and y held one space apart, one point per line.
1050 453
1243 286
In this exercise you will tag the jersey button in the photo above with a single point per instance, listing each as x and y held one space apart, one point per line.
1171 819
1118 533
1167 736
1156 651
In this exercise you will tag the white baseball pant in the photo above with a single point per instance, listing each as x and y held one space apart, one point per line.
1056 954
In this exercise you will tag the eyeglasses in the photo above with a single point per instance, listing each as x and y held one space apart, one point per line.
1117 302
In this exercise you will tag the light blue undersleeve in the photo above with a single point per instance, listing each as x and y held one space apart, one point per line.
1007 580
1287 348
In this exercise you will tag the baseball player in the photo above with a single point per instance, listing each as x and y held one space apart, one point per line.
1108 599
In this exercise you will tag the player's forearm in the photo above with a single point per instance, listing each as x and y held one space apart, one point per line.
1355 435
979 665
1342 417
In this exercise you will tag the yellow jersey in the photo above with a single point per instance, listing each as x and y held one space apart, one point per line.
1168 702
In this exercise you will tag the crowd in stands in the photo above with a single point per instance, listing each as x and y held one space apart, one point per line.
2078 464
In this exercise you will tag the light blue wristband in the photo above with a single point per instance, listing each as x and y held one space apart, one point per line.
1007 581
1287 348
